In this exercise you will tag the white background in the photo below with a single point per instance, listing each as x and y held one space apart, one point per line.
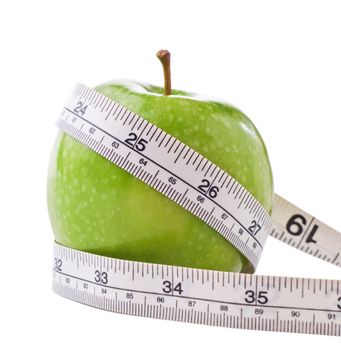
278 61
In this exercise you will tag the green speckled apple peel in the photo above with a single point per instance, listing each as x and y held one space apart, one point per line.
97 207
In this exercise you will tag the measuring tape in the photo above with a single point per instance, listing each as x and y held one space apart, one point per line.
186 294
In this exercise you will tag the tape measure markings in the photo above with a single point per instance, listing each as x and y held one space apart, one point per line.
301 305
305 232
207 299
160 131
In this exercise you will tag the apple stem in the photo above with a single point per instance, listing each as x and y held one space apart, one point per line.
164 57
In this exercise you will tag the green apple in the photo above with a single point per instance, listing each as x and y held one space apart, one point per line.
97 207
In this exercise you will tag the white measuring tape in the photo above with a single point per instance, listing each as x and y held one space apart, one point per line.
186 294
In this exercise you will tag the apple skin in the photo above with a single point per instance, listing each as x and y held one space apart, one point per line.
97 207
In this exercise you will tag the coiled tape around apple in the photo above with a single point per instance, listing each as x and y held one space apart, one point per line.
217 298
